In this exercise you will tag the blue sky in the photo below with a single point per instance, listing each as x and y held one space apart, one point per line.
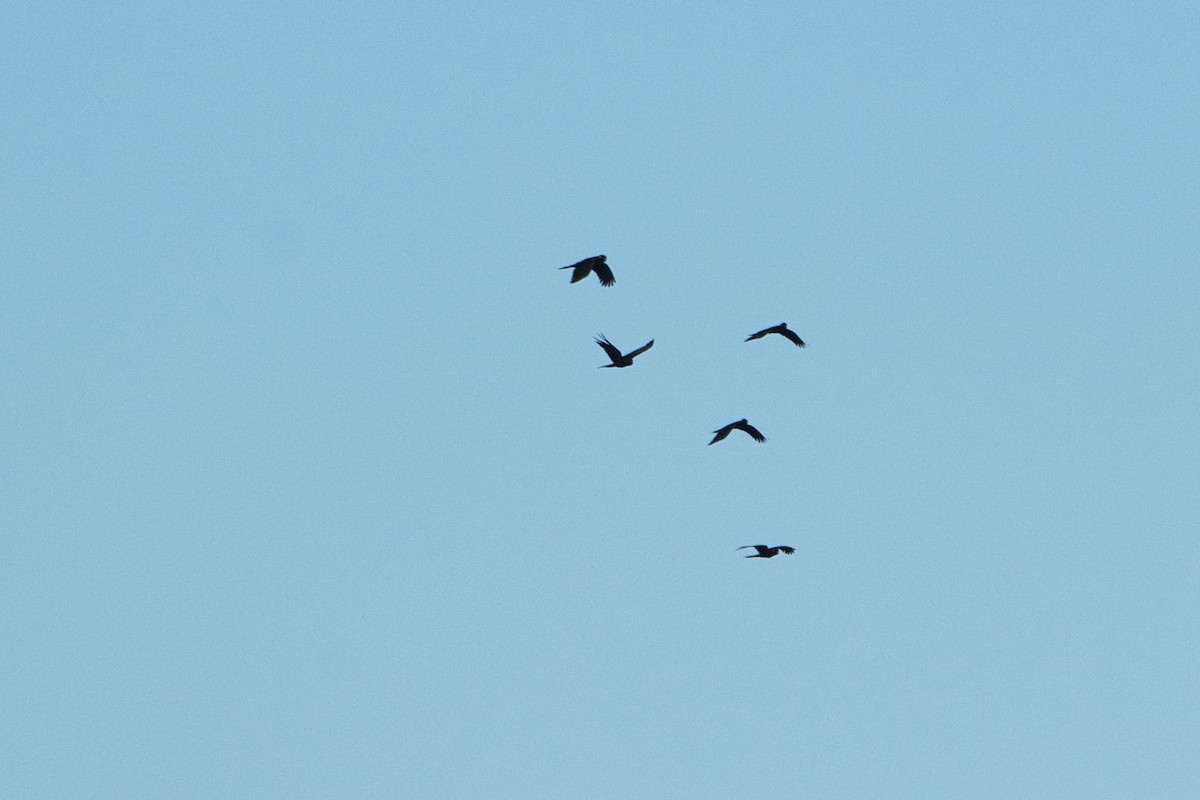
312 487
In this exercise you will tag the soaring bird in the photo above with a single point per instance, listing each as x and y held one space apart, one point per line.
741 425
594 264
769 552
615 354
782 329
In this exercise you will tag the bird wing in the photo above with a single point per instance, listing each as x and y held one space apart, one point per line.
582 268
609 348
759 335
750 429
791 334
721 434
763 550
604 273
640 350
783 548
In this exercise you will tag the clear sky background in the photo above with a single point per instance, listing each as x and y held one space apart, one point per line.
311 487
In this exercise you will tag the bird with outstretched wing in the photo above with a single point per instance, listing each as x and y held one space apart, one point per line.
596 264
783 330
768 552
740 425
614 354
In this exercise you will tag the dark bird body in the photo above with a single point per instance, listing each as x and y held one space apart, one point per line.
741 425
594 264
783 330
768 552
615 354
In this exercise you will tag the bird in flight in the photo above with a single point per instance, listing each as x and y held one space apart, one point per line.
594 264
782 329
619 360
769 552
741 425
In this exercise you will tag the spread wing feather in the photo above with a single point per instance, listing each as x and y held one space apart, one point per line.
613 352
721 433
604 274
640 350
791 334
750 429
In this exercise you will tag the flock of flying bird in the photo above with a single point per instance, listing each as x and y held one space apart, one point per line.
599 266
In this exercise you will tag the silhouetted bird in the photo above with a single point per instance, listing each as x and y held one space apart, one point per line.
615 354
740 425
594 264
768 552
782 329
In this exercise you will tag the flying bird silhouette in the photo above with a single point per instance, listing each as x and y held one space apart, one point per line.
782 329
615 354
741 425
768 552
594 264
